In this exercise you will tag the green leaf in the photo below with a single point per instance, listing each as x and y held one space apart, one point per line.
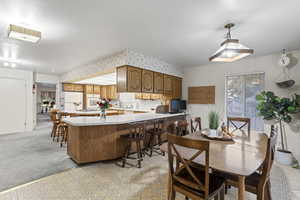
291 109
260 97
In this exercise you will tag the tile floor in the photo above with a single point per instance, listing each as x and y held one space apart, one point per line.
107 181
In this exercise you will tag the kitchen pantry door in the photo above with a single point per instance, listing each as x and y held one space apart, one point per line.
12 105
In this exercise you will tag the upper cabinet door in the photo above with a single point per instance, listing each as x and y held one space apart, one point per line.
89 89
103 92
168 88
70 87
114 92
177 88
96 89
134 79
77 88
122 79
158 83
147 81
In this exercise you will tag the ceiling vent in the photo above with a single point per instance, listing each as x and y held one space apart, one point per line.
24 34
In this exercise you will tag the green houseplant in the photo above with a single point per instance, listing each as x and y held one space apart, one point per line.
213 118
278 110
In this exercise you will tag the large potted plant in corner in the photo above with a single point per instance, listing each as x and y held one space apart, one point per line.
213 118
279 110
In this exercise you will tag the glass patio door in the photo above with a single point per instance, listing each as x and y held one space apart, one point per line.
241 91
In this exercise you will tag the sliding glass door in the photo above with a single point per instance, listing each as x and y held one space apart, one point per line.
240 97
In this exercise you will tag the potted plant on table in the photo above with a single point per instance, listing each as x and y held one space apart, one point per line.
275 109
103 104
213 118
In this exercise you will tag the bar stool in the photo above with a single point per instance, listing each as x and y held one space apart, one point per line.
155 139
136 135
63 129
55 120
181 127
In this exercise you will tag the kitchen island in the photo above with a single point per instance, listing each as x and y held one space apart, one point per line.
92 139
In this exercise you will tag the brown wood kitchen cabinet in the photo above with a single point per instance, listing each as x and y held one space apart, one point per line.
177 87
89 89
147 81
103 92
70 87
168 88
109 92
97 89
158 83
129 79
133 79
113 92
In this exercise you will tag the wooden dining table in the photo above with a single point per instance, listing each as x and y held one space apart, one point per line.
240 157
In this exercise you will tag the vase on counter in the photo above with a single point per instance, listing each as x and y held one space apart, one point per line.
103 114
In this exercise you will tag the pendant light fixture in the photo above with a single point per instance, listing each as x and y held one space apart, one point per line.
230 50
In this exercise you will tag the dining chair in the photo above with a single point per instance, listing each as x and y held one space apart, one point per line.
136 136
259 182
234 120
186 178
155 137
196 124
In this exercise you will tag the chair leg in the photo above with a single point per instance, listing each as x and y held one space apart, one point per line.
126 153
152 140
268 191
222 193
58 134
172 194
216 196
139 153
53 130
63 136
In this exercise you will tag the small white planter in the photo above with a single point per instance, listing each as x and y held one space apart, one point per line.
213 132
284 157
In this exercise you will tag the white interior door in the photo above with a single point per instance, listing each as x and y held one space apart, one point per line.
12 105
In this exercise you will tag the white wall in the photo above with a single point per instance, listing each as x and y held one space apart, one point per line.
28 78
126 57
214 74
46 78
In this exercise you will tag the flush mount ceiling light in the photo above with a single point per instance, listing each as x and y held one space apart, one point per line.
230 50
24 34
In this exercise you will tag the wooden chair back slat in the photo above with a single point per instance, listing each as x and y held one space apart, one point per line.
232 120
270 153
196 124
200 147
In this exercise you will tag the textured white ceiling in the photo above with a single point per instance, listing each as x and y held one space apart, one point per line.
181 32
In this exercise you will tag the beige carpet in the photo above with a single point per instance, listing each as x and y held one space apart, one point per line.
107 181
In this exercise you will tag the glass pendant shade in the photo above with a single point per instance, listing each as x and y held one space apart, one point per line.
231 50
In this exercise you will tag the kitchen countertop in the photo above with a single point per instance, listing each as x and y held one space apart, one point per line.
117 119
90 112
131 109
